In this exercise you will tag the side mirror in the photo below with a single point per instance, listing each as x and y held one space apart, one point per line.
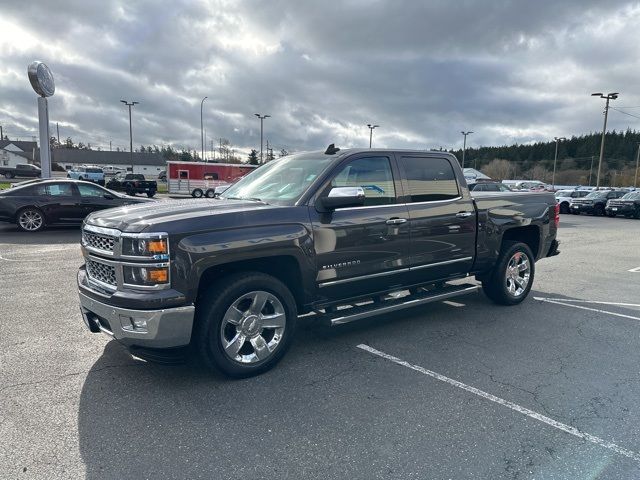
341 197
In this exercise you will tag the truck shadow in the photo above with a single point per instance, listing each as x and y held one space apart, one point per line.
11 235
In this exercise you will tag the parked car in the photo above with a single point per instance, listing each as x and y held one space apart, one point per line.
162 176
41 203
90 174
133 183
564 198
21 170
530 185
595 202
488 186
628 205
311 232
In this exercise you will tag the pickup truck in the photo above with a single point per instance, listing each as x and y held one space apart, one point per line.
133 183
343 235
90 174
21 170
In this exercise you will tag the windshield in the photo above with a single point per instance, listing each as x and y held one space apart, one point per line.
282 181
596 195
631 196
563 193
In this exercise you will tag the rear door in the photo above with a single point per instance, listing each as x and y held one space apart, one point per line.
362 249
62 203
442 218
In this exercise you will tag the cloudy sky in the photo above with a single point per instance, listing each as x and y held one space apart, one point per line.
511 71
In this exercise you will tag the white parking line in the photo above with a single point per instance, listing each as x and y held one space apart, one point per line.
635 270
571 300
542 299
505 403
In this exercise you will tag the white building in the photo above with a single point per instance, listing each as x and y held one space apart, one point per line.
148 164
13 152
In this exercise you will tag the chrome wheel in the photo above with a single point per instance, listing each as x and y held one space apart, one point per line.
253 327
517 274
31 220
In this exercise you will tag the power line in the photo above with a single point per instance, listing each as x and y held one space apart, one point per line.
620 111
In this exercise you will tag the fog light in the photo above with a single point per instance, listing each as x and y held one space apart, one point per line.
140 323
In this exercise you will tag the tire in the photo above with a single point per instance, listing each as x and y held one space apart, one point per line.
564 207
80 178
227 346
598 211
131 192
30 219
151 193
501 285
197 193
8 175
210 193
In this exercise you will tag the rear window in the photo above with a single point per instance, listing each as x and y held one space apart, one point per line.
430 179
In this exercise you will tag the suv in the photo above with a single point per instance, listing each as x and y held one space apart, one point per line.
629 206
488 186
595 202
91 174
564 198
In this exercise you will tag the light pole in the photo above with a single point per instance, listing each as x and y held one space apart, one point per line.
201 127
371 127
635 180
261 117
555 160
130 104
608 96
464 146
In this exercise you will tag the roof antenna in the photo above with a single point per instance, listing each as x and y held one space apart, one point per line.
331 150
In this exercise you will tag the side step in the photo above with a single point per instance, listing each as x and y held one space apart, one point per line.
359 311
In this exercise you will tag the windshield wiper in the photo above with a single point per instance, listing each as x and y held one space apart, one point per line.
251 199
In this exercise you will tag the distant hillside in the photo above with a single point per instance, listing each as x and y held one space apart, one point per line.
575 156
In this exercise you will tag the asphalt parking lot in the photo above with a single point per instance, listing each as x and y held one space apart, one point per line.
461 389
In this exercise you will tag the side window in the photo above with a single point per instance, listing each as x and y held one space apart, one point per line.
33 190
430 179
87 190
374 175
60 189
211 176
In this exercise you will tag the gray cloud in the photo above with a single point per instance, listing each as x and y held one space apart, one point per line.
512 71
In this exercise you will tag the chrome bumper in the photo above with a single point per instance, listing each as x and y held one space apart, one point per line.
170 327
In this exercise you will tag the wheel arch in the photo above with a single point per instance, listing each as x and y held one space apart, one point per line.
529 235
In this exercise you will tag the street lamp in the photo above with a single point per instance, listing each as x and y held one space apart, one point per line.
464 146
201 127
130 104
608 96
555 159
635 180
261 117
371 127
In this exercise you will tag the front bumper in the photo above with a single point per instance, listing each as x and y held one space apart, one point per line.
621 209
165 328
580 208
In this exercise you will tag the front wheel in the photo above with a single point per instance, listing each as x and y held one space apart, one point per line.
30 219
197 193
599 210
512 277
8 175
564 207
151 193
244 324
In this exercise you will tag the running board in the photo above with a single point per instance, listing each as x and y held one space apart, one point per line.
360 311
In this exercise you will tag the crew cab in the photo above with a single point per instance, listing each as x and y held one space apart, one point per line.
133 183
21 170
628 205
344 235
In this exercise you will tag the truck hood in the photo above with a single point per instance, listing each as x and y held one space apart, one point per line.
137 218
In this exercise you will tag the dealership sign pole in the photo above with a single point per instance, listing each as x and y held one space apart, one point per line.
42 82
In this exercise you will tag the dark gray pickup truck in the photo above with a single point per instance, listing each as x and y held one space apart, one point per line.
343 234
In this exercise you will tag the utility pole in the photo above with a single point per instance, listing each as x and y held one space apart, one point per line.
213 152
201 127
555 160
110 145
204 159
130 104
608 96
464 146
1 134
635 180
261 117
58 130
590 170
371 127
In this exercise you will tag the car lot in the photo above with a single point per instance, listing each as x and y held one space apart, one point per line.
461 389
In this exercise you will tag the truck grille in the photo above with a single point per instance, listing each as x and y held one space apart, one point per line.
101 272
97 241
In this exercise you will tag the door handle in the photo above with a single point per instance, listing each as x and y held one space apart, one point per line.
464 214
396 221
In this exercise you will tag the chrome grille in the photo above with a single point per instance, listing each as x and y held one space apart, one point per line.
101 272
97 241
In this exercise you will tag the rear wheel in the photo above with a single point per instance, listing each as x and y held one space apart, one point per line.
210 193
244 324
30 219
197 193
564 207
8 175
151 193
131 192
512 277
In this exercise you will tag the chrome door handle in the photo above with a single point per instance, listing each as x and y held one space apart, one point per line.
464 214
396 221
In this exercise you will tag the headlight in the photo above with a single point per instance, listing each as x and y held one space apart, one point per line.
151 247
145 276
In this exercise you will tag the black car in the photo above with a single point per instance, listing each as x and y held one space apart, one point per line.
595 202
629 206
488 186
40 203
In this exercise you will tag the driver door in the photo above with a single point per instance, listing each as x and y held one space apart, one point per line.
94 198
